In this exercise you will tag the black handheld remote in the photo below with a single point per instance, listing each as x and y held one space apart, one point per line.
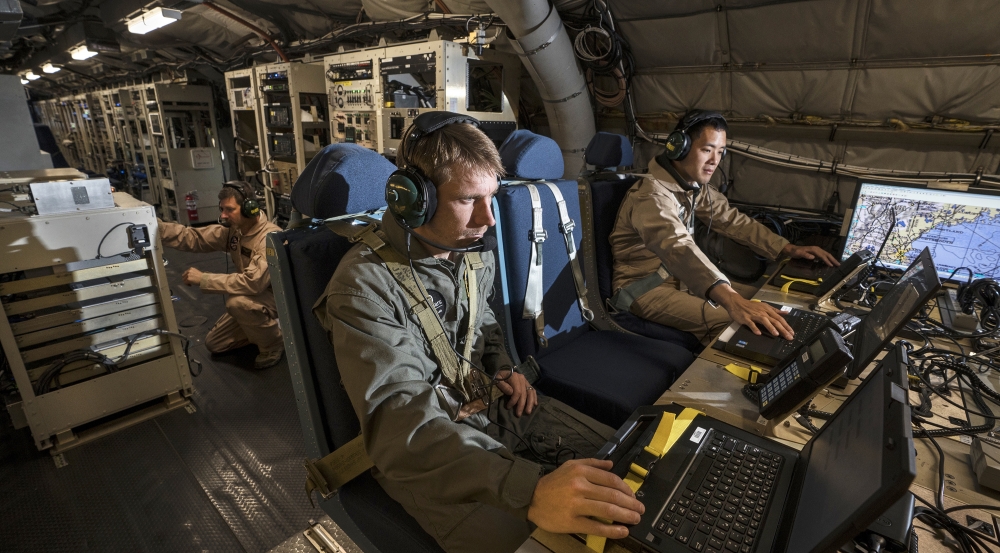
817 363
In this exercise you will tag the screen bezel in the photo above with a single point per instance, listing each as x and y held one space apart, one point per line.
849 215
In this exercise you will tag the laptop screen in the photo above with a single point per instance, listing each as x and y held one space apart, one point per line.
913 289
844 468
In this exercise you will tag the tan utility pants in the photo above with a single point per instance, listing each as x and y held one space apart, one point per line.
668 305
248 320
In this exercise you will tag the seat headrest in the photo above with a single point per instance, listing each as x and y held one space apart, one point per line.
342 179
608 150
531 156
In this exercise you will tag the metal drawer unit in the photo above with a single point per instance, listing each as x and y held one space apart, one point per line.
59 300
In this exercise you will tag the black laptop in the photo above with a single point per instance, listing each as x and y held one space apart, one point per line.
915 287
721 489
827 277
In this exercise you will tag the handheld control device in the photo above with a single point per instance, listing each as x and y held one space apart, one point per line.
817 363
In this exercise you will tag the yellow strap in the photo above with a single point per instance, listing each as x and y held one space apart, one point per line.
750 373
788 285
670 428
336 469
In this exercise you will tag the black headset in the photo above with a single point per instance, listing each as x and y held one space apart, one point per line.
410 196
679 142
249 207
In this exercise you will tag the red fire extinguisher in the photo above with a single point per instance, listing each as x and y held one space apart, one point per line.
191 200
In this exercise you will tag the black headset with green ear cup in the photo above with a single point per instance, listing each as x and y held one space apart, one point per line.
411 197
249 207
679 142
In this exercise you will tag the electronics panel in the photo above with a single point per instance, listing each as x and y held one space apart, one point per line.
351 87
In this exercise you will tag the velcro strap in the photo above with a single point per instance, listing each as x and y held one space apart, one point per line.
670 428
788 285
623 297
750 373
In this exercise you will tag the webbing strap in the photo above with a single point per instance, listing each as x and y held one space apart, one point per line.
457 374
791 280
566 226
750 373
533 291
623 297
670 428
336 469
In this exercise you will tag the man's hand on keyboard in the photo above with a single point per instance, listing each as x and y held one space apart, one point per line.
565 499
810 252
754 314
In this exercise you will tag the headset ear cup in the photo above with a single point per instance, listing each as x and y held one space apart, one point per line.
408 199
678 144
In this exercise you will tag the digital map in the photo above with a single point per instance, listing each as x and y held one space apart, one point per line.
957 235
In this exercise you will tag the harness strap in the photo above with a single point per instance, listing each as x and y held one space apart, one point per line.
566 226
533 291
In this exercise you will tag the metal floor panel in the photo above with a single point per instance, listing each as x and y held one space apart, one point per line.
227 477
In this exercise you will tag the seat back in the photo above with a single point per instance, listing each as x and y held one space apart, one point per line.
529 158
301 263
606 189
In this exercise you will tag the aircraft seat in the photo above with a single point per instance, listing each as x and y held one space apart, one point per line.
605 189
340 180
603 373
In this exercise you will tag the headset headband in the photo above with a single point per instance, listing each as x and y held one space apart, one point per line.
426 123
696 116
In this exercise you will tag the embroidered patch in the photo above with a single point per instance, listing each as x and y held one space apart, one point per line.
246 252
234 242
439 304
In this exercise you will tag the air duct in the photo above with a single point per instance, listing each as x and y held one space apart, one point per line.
543 45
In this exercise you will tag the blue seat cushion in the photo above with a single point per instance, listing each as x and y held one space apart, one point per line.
608 374
608 150
634 323
342 179
526 155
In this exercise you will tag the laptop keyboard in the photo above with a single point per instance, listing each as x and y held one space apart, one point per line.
721 507
805 324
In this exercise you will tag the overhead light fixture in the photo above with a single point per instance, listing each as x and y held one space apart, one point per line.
31 76
25 81
81 52
49 68
152 20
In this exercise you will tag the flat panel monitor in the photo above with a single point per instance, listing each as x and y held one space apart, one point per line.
915 287
961 229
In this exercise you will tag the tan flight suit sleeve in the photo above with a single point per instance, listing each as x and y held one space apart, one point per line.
656 217
253 280
211 238
729 222
407 434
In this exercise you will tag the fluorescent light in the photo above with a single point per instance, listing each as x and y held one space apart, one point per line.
49 68
31 76
25 81
81 52
152 20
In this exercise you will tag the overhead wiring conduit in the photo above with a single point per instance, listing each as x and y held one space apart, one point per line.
544 47
263 34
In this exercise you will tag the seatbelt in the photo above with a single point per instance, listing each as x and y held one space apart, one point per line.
350 460
533 290
670 429
623 297
566 226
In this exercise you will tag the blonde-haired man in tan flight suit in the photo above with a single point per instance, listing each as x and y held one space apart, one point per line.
251 315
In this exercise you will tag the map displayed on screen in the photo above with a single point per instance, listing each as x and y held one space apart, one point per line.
960 229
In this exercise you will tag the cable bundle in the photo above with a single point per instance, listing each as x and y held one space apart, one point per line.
603 53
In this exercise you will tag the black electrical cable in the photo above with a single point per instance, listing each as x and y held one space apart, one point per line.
101 243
